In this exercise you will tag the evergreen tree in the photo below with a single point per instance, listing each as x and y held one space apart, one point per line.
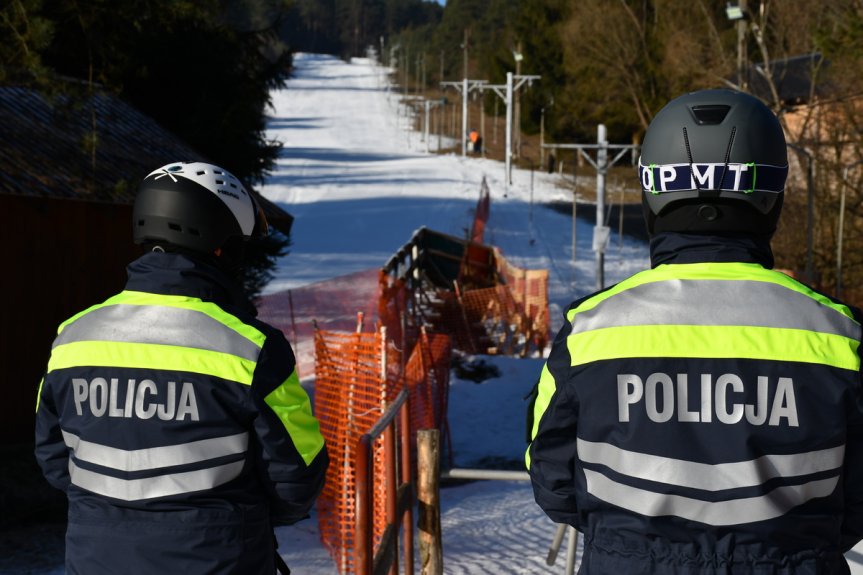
349 27
26 34
203 69
538 28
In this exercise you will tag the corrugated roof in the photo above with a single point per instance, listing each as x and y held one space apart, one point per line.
45 150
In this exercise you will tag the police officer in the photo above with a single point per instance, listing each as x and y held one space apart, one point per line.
704 416
170 416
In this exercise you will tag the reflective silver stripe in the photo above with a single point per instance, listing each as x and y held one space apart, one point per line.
733 512
156 457
161 325
715 302
149 487
717 477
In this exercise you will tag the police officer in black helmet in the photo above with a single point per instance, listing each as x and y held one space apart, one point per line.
172 418
705 415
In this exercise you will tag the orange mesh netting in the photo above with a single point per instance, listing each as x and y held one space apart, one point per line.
350 395
507 318
529 292
357 375
427 379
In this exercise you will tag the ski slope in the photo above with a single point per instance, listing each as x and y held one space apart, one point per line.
359 183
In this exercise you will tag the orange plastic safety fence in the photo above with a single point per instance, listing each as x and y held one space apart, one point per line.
529 291
350 396
427 380
508 318
426 369
357 375
392 304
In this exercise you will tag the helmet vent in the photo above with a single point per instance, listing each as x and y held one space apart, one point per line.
175 227
710 114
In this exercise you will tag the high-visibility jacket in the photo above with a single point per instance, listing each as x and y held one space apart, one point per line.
704 416
175 423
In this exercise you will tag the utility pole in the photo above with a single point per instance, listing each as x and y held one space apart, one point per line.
509 92
427 107
541 138
407 69
482 123
466 86
496 103
601 232
464 47
441 116
518 57
505 92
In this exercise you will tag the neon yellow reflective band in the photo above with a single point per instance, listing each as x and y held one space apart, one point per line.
746 342
545 390
712 271
291 405
39 394
184 302
154 356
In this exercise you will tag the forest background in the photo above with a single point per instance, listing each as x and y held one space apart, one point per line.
204 69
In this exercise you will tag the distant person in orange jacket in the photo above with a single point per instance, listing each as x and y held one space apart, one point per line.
476 141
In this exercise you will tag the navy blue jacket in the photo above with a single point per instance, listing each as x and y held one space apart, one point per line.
176 425
704 416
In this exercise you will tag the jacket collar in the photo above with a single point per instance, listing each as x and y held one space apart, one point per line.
681 248
186 275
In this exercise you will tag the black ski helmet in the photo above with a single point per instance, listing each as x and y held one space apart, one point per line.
713 161
196 206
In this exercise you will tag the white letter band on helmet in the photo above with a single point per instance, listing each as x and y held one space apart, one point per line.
731 177
222 184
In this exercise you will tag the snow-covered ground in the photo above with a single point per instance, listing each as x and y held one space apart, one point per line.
359 183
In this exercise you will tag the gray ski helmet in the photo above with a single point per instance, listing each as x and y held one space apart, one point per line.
195 205
713 161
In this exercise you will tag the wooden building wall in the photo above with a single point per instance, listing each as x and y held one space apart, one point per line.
60 257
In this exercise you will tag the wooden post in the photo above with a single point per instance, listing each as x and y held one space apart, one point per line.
428 494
